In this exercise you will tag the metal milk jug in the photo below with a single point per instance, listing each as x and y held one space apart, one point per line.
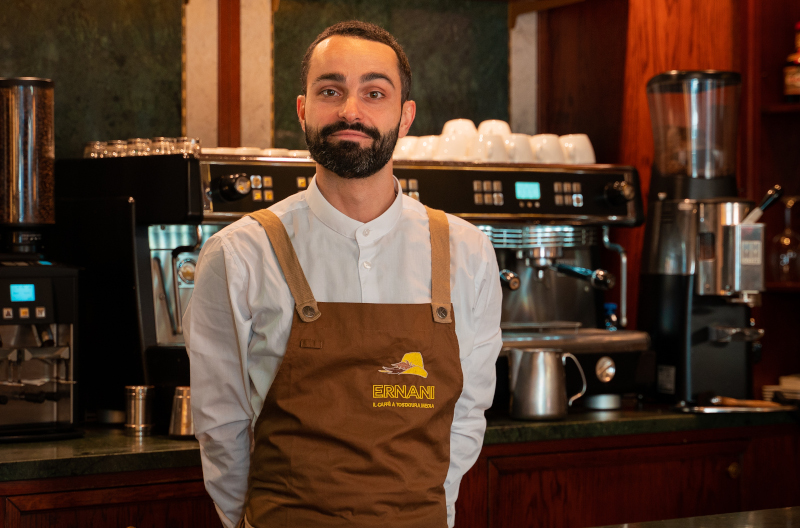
539 384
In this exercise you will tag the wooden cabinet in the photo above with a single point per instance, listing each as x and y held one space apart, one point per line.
600 481
146 499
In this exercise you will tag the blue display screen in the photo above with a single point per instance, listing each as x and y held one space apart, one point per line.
527 190
23 293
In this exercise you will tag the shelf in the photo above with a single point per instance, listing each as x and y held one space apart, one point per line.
782 108
785 287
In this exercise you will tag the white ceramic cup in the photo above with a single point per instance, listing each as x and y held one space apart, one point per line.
495 127
577 149
459 126
547 149
425 147
454 147
404 148
275 153
519 149
490 148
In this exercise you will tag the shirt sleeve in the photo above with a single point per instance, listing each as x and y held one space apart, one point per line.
217 331
469 424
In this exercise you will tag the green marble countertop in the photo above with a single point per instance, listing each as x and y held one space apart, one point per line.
101 450
107 450
591 424
779 518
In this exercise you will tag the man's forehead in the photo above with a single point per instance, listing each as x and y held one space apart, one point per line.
341 50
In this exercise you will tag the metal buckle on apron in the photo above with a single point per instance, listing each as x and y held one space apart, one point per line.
308 311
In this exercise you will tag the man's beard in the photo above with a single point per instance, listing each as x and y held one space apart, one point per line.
348 159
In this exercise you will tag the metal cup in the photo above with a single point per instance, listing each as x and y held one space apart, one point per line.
139 410
180 423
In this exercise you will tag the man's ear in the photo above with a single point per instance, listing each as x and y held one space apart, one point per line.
301 111
407 117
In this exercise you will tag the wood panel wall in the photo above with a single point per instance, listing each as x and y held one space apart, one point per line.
617 46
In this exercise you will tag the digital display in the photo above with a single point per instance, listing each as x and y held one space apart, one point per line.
23 293
527 190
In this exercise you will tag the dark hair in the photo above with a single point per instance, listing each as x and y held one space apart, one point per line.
365 31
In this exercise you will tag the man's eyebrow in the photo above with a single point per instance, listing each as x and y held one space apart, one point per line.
336 77
367 77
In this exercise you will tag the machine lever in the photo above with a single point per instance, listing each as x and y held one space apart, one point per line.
599 279
175 286
623 270
726 334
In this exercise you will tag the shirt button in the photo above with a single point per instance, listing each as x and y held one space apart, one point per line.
365 232
367 265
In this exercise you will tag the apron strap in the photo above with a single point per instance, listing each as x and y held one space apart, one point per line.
304 301
440 266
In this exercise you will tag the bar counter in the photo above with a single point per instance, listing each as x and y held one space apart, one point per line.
107 450
776 518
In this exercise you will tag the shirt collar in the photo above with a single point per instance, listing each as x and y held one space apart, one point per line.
343 224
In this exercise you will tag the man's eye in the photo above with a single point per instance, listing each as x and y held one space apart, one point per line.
374 95
328 92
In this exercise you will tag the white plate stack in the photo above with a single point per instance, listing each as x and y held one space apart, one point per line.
789 386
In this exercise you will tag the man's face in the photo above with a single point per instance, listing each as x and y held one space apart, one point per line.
352 113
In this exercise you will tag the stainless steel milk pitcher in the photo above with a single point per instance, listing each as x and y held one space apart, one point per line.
539 384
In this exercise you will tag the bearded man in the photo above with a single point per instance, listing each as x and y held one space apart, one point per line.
343 341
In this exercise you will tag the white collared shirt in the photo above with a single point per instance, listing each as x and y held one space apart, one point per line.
237 323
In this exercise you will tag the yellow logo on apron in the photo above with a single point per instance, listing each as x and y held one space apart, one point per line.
410 364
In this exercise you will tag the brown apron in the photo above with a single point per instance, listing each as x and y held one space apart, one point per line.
355 429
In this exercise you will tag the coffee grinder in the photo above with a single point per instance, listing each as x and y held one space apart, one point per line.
37 297
703 261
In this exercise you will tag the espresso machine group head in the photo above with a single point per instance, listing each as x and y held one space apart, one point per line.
703 262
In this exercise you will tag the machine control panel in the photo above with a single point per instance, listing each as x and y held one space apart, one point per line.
600 194
26 301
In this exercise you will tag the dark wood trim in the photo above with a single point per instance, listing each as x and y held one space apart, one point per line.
109 480
229 92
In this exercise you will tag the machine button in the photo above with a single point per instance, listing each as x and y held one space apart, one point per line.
537 204
497 186
268 196
559 199
605 369
8 313
413 185
478 199
403 184
497 198
522 204
487 185
24 313
40 312
414 195
257 195
577 200
266 181
302 183
557 187
530 205
255 181
487 198
567 187
476 186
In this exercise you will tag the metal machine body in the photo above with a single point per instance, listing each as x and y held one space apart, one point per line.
151 216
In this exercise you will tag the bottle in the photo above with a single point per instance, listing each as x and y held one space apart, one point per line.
611 316
791 72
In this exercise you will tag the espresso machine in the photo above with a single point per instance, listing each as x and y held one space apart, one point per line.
37 297
703 259
149 217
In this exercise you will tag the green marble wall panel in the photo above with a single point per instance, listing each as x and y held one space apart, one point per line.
116 64
458 51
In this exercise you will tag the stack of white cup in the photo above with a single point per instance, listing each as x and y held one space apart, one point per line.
493 142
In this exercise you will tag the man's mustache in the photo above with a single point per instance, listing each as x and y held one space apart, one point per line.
333 128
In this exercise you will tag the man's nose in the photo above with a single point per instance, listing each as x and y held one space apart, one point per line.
350 110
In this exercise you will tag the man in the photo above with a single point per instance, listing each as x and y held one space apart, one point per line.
348 333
